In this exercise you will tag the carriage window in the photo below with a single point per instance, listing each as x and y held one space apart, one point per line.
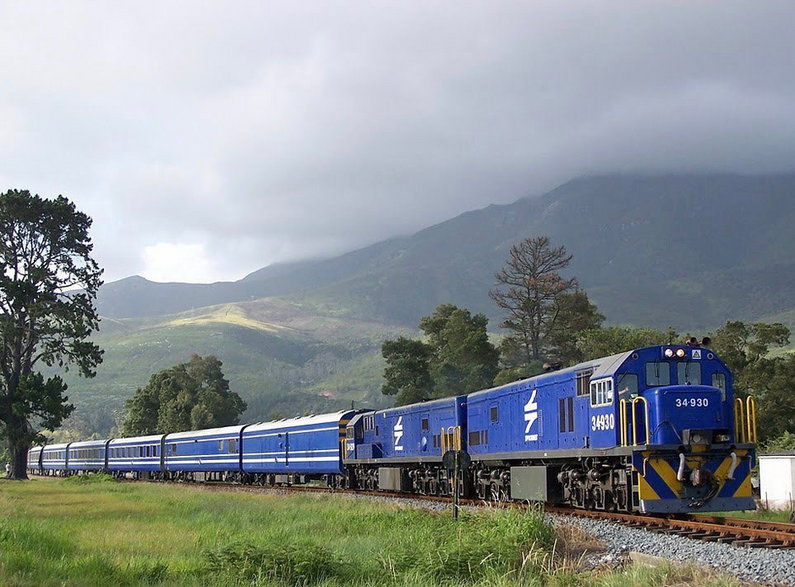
627 384
494 414
719 381
220 446
583 377
233 446
688 373
658 373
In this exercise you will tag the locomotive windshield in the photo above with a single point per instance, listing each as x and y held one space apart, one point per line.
658 373
688 373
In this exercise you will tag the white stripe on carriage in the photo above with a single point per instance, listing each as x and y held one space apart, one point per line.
290 452
292 460
195 462
247 436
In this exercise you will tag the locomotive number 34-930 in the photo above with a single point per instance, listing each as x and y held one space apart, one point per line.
692 402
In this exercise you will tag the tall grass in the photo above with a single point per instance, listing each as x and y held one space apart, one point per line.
94 531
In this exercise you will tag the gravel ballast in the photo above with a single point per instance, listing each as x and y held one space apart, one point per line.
761 565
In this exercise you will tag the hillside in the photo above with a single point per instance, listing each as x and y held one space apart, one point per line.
682 251
283 359
688 252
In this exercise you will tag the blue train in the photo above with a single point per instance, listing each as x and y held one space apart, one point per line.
656 429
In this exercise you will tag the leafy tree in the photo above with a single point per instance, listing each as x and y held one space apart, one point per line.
48 284
545 312
458 357
576 314
407 374
740 344
783 443
188 396
603 342
744 348
463 359
772 382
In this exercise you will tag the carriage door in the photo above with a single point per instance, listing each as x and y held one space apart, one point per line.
582 421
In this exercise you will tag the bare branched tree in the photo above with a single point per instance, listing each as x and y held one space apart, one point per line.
529 290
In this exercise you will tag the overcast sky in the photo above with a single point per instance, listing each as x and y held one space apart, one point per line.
209 139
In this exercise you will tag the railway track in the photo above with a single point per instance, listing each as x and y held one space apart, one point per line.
735 531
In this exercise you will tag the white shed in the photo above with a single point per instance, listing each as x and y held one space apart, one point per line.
777 480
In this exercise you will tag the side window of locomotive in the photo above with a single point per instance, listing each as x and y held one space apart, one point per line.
658 373
425 425
583 378
602 392
688 373
627 385
494 414
719 381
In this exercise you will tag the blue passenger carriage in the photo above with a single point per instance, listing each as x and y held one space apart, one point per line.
401 448
295 450
55 459
203 455
139 455
34 460
88 456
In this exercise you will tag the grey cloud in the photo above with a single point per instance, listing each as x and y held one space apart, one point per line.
275 131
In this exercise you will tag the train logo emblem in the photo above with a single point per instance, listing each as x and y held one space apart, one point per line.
530 416
398 433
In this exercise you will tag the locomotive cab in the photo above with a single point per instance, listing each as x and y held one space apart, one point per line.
681 425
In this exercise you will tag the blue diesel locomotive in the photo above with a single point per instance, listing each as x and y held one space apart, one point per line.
656 429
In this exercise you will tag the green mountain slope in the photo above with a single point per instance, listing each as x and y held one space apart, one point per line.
284 359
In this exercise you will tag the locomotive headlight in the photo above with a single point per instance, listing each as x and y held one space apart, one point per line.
698 439
669 353
680 353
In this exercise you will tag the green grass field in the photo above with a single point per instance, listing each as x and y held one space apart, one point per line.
93 531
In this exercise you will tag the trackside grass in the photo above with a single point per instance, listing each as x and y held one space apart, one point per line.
95 531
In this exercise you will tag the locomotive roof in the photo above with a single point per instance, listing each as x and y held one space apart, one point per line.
602 367
429 403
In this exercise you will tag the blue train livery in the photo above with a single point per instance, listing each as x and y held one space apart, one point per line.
655 429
